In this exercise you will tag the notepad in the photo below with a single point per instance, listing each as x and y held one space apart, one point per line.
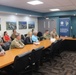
52 39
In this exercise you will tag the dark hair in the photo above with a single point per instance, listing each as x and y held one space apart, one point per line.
46 30
14 30
5 32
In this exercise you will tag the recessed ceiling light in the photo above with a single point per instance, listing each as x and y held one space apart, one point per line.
74 14
54 9
30 15
16 14
47 18
35 2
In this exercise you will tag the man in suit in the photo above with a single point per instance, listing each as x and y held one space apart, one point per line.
28 39
17 43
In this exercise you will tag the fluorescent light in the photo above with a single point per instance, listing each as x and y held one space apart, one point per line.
54 9
35 2
47 18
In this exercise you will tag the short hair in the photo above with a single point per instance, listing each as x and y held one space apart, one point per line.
46 30
17 35
13 30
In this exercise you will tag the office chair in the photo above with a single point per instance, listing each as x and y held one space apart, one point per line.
56 48
22 37
52 51
21 63
36 59
40 36
25 35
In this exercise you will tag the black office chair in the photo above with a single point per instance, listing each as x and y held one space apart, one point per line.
40 36
22 37
21 63
36 59
25 35
56 48
52 51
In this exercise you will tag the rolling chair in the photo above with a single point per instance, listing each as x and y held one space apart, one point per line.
36 59
40 36
21 64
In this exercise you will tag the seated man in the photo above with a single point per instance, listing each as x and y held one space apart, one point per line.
54 34
13 34
34 36
16 43
46 35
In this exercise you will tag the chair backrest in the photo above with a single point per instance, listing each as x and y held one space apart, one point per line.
56 45
39 34
36 54
21 62
22 37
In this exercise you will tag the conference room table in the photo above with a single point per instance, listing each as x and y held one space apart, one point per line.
68 43
9 56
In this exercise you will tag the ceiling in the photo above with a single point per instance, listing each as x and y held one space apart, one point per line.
63 5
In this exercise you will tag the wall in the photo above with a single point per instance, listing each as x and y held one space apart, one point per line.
73 23
43 24
16 18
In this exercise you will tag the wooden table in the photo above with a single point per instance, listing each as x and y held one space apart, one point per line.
8 58
68 38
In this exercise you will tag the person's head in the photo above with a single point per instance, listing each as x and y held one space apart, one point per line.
54 30
32 30
35 32
30 34
5 33
14 30
18 36
46 31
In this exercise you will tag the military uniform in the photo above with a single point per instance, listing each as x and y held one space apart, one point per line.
16 44
46 36
53 34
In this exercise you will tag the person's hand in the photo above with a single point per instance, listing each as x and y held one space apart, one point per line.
2 53
1 43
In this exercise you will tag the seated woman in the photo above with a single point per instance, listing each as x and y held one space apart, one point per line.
17 43
6 37
34 36
28 39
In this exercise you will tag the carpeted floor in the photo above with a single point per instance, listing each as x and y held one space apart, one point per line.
64 66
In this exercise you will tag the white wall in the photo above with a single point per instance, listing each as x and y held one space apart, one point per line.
16 18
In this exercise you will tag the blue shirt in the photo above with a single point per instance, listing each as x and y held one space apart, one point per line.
34 38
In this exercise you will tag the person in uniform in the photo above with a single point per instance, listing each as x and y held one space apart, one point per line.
17 43
46 34
54 34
